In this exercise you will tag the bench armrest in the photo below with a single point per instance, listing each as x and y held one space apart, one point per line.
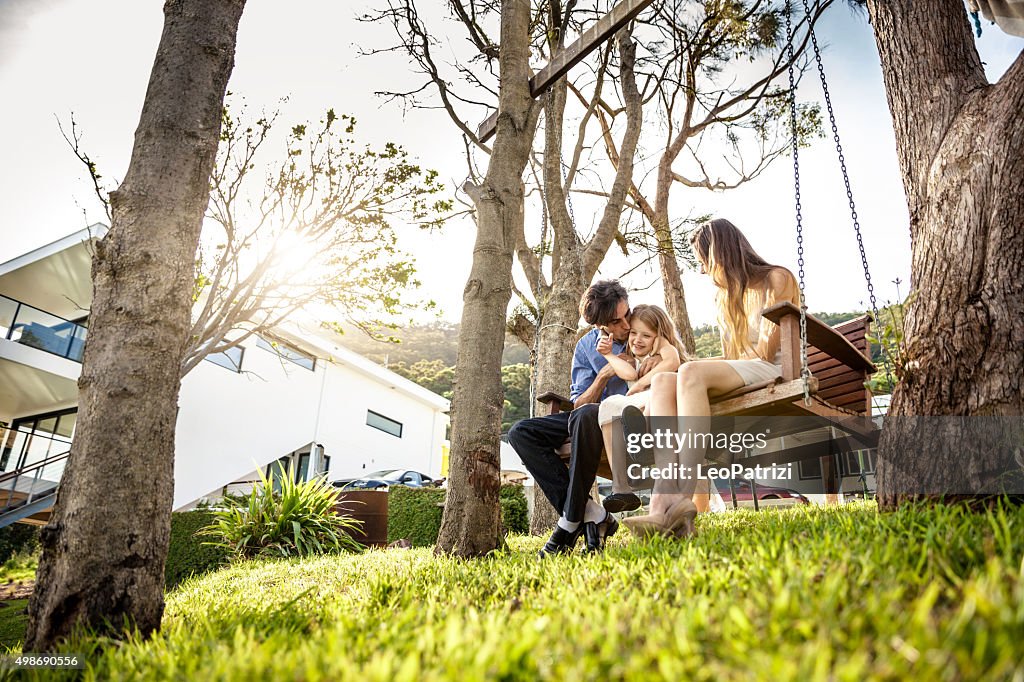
556 403
819 335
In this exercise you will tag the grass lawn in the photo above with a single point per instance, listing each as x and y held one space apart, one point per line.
804 593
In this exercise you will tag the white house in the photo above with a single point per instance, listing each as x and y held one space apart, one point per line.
297 396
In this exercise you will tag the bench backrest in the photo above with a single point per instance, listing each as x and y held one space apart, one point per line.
837 383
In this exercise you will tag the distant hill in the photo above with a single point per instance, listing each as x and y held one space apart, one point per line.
438 341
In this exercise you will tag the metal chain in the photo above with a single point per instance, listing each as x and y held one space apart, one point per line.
846 178
805 371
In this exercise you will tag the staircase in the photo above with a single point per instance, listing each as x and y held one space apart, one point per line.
28 492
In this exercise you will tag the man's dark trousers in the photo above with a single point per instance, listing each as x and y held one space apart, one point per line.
535 441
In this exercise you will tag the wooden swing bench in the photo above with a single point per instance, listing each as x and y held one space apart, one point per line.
838 358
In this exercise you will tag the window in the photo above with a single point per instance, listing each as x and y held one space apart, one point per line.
379 421
287 352
810 469
854 460
229 359
35 438
276 471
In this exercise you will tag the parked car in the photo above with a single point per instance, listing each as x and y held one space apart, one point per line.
744 492
388 477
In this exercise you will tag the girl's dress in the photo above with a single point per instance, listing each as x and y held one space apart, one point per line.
611 407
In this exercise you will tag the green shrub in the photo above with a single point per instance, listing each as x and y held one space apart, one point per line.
415 513
188 554
300 520
18 538
514 512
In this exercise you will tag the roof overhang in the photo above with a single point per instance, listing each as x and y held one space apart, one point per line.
56 278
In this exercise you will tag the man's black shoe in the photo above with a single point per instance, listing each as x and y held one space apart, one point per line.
562 541
621 502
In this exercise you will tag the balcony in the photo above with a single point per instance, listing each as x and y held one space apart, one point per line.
29 326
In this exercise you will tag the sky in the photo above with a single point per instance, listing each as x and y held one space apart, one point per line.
94 57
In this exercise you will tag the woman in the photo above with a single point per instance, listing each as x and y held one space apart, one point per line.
751 348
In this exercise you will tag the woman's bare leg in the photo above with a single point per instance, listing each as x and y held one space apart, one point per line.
695 382
663 404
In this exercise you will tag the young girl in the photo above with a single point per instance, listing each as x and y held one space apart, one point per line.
653 338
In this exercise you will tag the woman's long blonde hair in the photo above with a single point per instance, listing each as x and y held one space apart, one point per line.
735 268
658 320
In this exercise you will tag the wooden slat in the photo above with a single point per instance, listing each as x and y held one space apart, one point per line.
840 393
764 399
836 371
822 337
488 127
620 15
851 381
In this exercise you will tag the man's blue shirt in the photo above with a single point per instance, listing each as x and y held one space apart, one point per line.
587 362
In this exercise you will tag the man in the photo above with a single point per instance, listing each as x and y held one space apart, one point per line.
605 306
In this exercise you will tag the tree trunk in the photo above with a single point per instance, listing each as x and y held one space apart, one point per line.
470 525
104 549
558 329
672 283
961 152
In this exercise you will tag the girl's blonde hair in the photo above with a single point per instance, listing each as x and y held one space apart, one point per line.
735 268
658 320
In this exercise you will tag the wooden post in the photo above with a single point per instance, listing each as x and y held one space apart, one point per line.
789 327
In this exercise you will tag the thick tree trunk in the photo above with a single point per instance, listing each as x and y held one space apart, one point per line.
961 151
104 549
554 361
470 525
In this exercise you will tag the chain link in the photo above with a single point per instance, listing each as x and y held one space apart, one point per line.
846 175
805 372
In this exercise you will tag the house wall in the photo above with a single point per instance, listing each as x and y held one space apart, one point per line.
356 448
230 424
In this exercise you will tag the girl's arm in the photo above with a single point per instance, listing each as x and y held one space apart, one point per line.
623 369
669 363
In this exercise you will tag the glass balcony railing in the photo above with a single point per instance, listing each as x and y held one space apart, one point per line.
31 465
21 323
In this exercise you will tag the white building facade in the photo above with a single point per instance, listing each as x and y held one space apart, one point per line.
297 396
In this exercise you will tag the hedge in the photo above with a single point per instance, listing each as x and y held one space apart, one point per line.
187 555
18 538
415 513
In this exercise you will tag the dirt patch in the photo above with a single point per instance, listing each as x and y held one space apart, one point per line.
21 589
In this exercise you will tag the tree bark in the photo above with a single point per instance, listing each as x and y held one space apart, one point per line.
470 525
104 549
960 145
